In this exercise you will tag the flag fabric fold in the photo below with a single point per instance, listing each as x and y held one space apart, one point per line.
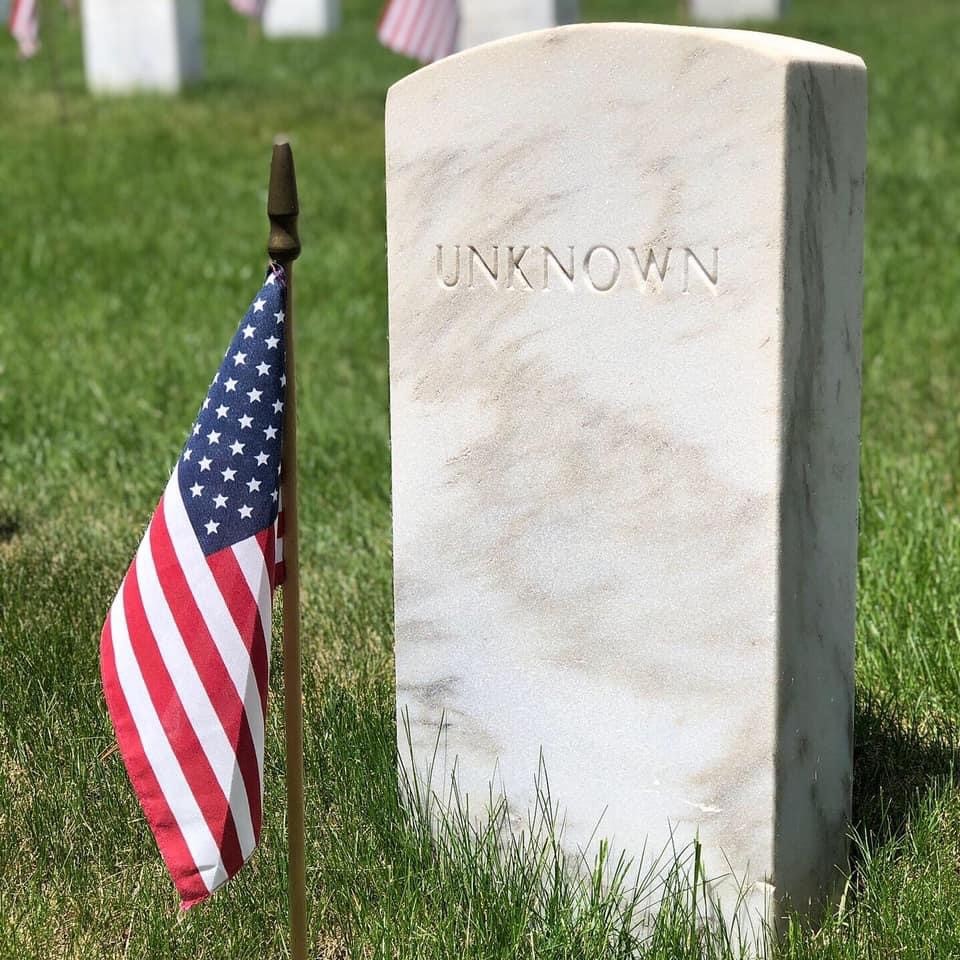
24 26
185 648
423 29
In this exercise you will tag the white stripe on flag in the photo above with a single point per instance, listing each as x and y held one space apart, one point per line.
214 610
250 558
24 26
193 696
163 761
408 23
431 33
425 29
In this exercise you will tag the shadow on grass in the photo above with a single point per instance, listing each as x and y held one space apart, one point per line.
9 526
901 756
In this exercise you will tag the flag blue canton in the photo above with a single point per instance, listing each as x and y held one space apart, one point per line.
229 469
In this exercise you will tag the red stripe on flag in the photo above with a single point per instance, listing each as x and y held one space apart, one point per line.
242 605
427 24
23 25
432 24
408 28
213 803
162 822
267 543
208 662
425 29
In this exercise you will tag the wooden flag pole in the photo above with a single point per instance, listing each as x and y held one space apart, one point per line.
284 247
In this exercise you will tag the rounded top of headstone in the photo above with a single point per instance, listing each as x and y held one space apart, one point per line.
610 42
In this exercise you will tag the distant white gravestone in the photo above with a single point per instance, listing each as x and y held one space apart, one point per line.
300 18
484 20
150 45
730 11
625 277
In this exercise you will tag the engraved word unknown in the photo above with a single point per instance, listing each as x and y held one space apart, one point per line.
600 268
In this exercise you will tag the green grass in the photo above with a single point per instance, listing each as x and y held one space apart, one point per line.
132 232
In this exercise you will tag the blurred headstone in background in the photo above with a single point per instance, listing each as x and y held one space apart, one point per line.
732 11
300 18
485 20
144 45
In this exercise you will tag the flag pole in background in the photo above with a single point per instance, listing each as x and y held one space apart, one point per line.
284 247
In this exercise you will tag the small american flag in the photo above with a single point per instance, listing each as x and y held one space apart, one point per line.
249 8
423 29
23 26
185 648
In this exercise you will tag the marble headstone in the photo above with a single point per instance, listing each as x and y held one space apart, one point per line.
731 11
300 18
625 279
150 45
484 20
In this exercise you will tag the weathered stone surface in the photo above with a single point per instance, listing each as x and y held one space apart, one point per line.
625 274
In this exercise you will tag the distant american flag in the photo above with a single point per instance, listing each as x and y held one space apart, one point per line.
249 8
23 26
186 645
423 29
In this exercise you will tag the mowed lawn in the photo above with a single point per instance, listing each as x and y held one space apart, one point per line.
132 235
